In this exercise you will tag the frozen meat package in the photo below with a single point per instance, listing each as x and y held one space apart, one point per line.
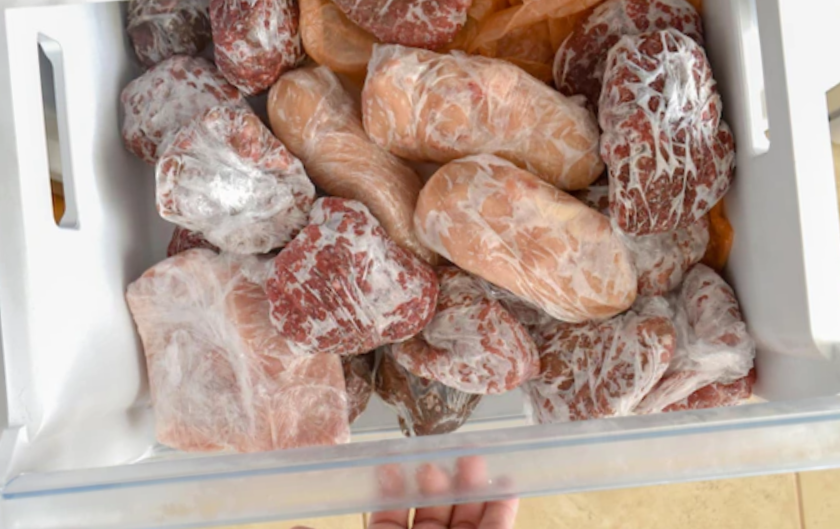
221 377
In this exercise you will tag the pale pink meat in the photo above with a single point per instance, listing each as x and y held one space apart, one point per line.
342 286
669 155
183 240
472 343
227 177
221 377
160 29
592 370
167 97
428 107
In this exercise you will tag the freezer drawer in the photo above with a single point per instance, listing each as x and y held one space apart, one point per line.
77 447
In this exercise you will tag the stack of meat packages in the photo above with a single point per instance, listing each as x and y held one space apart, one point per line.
312 265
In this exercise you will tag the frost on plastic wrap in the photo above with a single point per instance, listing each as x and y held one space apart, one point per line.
167 97
160 29
592 370
333 40
713 344
226 176
255 40
661 259
358 378
342 286
424 106
509 227
670 157
716 395
418 23
472 343
320 123
424 407
221 377
580 61
525 313
183 240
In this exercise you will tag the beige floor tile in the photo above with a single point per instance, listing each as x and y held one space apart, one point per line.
350 521
820 499
768 502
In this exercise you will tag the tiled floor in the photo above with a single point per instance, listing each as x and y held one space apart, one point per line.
787 501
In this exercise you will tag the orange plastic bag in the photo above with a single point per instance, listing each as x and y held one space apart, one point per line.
721 236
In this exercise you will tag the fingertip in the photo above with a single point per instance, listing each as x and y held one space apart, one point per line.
500 514
432 480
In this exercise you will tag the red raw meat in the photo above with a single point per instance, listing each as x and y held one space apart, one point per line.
183 240
227 177
256 41
592 370
342 286
417 23
716 395
472 343
424 407
669 155
167 97
661 259
713 344
358 378
221 377
579 63
160 29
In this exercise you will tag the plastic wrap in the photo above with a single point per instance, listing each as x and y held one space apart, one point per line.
161 101
320 123
525 313
332 40
716 395
417 23
358 378
183 240
661 259
424 106
669 155
592 370
342 286
256 41
713 344
721 236
220 375
424 407
509 227
226 176
580 61
160 29
472 343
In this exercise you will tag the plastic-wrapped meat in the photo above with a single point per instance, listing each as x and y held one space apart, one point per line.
226 176
256 41
592 370
358 379
160 29
183 240
320 123
525 313
580 61
713 344
167 97
417 23
661 259
507 226
670 157
472 343
424 407
221 377
424 106
342 286
716 395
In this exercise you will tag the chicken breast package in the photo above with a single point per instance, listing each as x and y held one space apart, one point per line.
160 29
221 377
670 157
472 343
227 177
713 347
507 226
319 122
423 407
428 107
343 287
592 370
